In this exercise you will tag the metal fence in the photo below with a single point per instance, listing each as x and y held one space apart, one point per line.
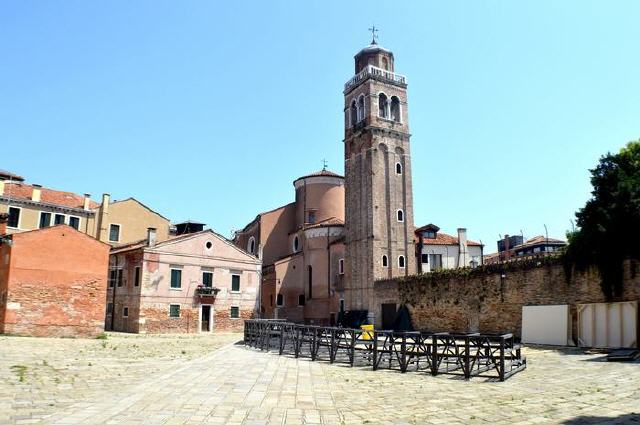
467 355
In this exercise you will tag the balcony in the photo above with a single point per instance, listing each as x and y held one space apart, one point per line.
378 74
206 291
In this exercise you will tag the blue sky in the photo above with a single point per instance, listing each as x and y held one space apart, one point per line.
209 110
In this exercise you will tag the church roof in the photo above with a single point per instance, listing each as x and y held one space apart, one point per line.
374 47
323 172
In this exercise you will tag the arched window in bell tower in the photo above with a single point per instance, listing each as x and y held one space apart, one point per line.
353 113
383 106
385 64
360 108
395 109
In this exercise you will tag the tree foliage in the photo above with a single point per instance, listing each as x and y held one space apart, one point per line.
609 224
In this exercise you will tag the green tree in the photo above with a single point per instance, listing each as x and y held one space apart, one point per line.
609 224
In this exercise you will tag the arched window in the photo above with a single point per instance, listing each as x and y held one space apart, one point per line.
401 261
400 215
353 114
360 108
385 64
385 261
251 245
395 109
398 168
383 106
296 244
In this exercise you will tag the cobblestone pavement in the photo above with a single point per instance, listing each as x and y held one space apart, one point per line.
134 379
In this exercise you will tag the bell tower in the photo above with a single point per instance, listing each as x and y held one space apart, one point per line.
378 190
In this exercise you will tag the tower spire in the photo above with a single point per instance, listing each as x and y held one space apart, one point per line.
374 36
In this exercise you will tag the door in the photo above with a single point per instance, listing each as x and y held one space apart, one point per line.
388 315
205 318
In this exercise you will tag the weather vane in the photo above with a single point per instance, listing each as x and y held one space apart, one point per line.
374 36
324 164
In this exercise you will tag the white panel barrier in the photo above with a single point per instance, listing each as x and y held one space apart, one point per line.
608 325
546 324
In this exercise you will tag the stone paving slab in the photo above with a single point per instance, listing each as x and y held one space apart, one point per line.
207 380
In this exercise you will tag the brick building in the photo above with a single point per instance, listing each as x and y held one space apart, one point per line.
302 248
196 282
378 186
53 282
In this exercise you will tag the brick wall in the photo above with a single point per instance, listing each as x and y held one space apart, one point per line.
487 302
54 283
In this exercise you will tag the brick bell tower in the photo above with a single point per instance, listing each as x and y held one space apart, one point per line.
378 190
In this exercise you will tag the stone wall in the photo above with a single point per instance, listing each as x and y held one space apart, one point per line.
491 301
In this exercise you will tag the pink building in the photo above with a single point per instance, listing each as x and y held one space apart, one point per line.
197 282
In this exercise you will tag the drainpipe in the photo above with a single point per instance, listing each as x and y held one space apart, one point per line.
113 295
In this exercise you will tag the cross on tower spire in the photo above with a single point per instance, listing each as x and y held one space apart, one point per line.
374 36
324 164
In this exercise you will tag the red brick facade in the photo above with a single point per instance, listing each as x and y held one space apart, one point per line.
53 282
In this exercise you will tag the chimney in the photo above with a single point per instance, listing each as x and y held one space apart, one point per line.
4 218
105 202
151 237
36 192
463 252
87 202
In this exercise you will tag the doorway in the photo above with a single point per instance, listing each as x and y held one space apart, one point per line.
205 318
388 315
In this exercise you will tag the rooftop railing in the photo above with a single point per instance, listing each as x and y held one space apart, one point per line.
374 71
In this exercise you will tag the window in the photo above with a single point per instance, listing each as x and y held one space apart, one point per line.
176 278
235 283
400 215
125 312
114 233
208 245
341 266
398 168
385 64
310 270
429 234
74 222
113 275
311 217
301 300
436 261
174 310
119 277
401 261
45 219
353 113
341 305
109 308
424 258
251 245
59 219
235 312
14 217
207 279
385 261
383 106
395 109
279 300
296 244
136 277
360 108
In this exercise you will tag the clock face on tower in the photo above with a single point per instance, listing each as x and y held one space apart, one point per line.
378 190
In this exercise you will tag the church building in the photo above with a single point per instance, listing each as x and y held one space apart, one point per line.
322 253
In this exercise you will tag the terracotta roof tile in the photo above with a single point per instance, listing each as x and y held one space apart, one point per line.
47 196
444 239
